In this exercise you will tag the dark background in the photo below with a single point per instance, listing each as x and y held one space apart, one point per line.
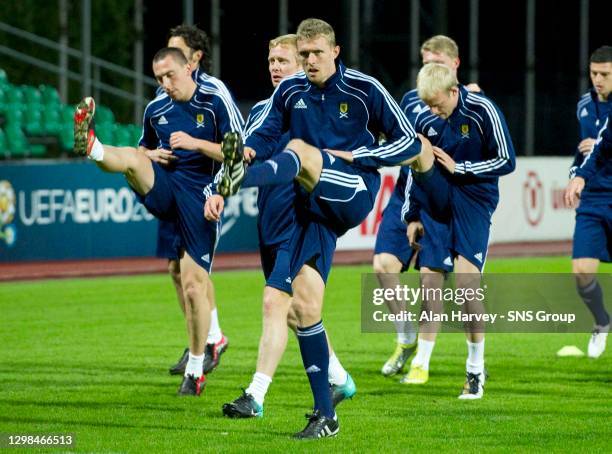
246 28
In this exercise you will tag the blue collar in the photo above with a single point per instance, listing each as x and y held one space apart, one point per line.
595 97
334 78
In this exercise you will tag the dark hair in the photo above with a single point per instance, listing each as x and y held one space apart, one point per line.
196 39
602 55
175 52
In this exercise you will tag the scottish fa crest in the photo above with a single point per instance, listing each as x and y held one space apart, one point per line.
200 120
343 110
465 131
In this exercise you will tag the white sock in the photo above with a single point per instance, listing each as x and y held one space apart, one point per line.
336 374
399 327
214 333
406 334
259 387
194 365
97 151
423 353
475 360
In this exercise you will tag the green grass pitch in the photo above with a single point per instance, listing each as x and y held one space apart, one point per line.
90 357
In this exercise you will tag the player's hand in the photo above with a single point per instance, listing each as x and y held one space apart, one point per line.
573 190
415 231
161 156
473 87
586 145
214 207
444 158
344 155
182 140
249 154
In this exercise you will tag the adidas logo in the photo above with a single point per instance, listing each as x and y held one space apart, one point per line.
478 257
300 104
288 280
331 159
312 369
417 109
162 121
584 113
206 258
448 261
431 132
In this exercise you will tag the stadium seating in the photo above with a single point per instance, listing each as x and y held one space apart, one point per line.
35 123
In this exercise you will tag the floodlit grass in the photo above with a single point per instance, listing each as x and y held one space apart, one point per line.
90 357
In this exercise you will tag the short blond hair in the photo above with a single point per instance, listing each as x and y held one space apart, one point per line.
312 28
441 44
284 40
434 78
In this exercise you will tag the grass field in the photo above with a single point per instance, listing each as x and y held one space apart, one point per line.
90 357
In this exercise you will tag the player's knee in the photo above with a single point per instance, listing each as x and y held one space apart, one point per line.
296 145
174 270
299 147
432 279
386 263
292 321
579 267
305 310
273 307
583 273
194 289
308 159
377 265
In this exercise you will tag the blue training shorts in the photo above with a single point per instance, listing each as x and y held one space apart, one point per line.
469 220
312 243
392 239
168 240
593 232
177 195
276 264
435 252
344 195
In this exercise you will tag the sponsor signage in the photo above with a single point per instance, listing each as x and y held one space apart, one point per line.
72 210
530 205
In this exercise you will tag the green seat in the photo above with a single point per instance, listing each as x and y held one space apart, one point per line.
32 96
3 101
34 125
49 94
105 133
67 114
123 136
4 153
66 137
4 83
136 134
52 120
16 140
14 95
104 115
14 114
38 150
